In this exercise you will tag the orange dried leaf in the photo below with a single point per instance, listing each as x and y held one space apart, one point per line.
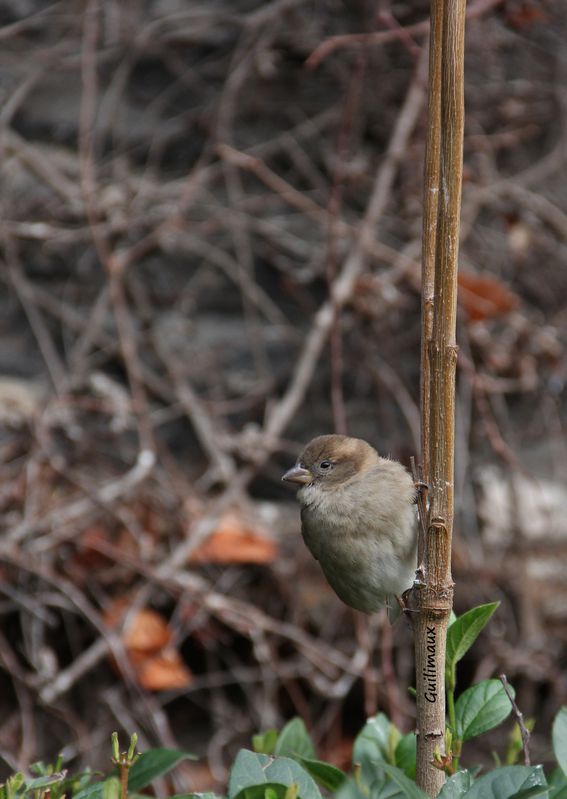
145 629
236 541
484 296
163 671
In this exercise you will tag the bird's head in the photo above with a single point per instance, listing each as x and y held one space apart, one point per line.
331 461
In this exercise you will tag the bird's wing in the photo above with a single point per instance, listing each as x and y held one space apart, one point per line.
310 540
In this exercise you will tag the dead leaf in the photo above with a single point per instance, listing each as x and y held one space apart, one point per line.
484 296
162 671
236 540
146 636
145 630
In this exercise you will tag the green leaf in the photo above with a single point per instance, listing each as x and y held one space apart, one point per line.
148 767
153 764
12 786
374 737
406 754
480 708
372 746
92 791
350 790
559 738
40 768
80 781
204 795
505 782
111 788
265 742
325 774
291 793
406 787
251 769
197 795
557 782
294 740
248 769
531 793
265 791
16 781
43 782
384 788
456 786
462 634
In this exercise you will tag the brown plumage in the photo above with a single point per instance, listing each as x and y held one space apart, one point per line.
357 519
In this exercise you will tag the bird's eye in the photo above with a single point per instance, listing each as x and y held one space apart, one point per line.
325 465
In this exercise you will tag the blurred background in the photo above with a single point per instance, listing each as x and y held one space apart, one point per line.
210 252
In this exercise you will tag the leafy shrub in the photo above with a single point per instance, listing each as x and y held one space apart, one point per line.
284 765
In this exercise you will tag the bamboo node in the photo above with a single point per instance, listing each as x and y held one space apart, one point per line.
429 735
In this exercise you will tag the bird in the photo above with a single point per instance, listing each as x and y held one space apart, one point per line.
358 520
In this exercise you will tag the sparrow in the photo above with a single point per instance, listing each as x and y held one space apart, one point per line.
357 519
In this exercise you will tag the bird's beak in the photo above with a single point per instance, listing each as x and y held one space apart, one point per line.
298 474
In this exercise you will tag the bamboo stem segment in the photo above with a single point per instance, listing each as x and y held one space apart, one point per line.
432 596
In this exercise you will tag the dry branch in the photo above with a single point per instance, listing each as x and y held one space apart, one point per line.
344 283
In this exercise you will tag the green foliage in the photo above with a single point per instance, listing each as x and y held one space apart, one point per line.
507 782
204 795
146 767
405 786
373 746
461 635
252 772
380 743
559 738
49 782
325 774
557 782
265 742
481 708
406 753
154 764
52 782
384 759
457 785
284 765
294 741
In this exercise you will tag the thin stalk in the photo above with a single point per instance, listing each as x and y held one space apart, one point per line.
451 709
429 229
433 592
123 771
